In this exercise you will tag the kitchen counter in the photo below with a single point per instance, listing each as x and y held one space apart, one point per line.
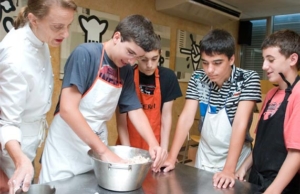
183 180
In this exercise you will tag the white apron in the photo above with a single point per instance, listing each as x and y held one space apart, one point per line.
214 143
65 154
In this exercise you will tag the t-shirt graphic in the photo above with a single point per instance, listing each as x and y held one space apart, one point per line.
274 104
147 89
110 75
271 110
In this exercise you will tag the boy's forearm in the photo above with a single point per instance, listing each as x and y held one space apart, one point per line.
124 136
239 128
165 135
288 170
142 125
166 124
122 128
247 163
235 148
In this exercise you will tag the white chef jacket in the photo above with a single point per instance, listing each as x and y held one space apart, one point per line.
26 85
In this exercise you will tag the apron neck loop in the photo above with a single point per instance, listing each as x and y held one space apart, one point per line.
101 59
290 87
296 80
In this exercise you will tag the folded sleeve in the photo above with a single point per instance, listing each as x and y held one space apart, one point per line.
13 92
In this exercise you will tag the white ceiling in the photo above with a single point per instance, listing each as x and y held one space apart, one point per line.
263 8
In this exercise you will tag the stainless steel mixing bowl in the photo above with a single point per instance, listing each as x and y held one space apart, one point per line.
121 177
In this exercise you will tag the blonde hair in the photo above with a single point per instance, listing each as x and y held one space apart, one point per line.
40 8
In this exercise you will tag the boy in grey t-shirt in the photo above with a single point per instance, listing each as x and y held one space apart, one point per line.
97 80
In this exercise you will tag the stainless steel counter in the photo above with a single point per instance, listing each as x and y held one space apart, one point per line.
183 180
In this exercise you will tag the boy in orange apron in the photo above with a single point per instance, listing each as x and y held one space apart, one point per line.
156 87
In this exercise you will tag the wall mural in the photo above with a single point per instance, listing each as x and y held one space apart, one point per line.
9 10
88 26
164 34
187 55
95 26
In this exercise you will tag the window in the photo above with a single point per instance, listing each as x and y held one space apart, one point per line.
291 22
251 56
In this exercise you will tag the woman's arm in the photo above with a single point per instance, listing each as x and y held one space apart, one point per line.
13 93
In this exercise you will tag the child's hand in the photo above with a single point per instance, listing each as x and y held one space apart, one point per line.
159 155
168 165
240 174
109 156
223 179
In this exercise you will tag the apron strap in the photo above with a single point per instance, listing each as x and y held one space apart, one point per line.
290 87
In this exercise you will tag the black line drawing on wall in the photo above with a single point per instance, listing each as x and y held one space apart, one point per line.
7 6
8 23
188 57
194 54
161 58
93 27
89 26
164 34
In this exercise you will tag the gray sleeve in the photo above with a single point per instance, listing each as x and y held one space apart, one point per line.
128 100
79 70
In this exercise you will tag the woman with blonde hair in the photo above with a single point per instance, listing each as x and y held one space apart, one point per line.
26 84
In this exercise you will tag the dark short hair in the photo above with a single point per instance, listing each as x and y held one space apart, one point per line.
219 42
288 42
157 43
138 29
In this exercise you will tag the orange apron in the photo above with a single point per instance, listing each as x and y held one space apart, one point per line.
151 106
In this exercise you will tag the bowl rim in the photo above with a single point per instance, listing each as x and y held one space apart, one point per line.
91 154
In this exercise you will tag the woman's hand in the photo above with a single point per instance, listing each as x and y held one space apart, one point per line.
22 176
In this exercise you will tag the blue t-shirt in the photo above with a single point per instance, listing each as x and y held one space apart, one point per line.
81 70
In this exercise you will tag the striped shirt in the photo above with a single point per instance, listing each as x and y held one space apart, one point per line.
241 85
